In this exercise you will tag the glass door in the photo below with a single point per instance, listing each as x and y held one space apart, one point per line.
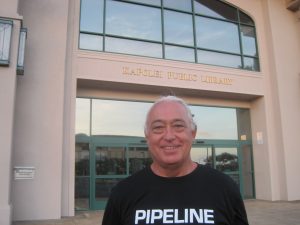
233 158
111 164
108 167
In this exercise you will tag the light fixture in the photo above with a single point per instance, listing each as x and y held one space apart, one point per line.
21 52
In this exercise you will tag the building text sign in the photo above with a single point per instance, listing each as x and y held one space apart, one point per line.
171 75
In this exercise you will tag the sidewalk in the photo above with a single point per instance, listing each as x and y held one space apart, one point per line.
259 213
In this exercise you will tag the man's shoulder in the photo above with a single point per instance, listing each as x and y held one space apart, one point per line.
134 180
215 176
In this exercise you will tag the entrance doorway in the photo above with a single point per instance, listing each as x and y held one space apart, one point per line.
110 146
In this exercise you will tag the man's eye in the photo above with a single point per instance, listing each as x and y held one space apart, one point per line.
179 126
158 129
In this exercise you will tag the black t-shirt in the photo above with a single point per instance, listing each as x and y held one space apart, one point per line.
205 196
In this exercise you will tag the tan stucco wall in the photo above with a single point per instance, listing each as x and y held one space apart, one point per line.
285 36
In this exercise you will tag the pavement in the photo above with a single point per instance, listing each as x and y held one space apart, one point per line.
259 213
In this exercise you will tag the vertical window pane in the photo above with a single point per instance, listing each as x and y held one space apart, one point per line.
248 41
91 16
110 161
179 53
217 35
82 193
82 116
214 58
215 123
178 28
82 159
91 42
216 9
5 38
251 64
179 4
133 47
130 20
247 171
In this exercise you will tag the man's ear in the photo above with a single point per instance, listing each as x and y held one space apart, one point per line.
194 132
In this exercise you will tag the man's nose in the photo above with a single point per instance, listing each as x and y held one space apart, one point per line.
169 133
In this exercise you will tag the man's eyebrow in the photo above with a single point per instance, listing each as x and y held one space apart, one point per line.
172 121
157 121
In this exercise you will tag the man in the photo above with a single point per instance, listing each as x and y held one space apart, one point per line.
174 189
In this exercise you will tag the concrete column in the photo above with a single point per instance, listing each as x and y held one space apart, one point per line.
8 79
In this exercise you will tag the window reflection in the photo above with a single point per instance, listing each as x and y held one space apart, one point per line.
139 158
82 192
245 18
202 155
82 116
133 47
214 58
82 159
103 188
110 161
179 4
248 41
217 35
216 9
122 118
91 42
174 20
150 2
215 123
251 63
227 159
121 19
91 17
179 53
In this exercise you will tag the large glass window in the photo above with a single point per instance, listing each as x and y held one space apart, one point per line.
215 123
211 31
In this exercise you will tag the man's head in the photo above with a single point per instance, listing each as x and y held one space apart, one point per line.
170 131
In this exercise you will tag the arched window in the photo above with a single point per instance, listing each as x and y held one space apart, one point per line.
199 31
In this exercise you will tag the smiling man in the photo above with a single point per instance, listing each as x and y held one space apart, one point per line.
174 189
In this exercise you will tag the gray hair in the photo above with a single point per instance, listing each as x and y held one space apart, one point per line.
171 98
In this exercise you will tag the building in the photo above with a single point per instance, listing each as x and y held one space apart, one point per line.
73 103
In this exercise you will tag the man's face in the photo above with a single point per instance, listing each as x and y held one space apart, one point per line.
169 134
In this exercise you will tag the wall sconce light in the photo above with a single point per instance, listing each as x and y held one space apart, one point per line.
21 52
5 41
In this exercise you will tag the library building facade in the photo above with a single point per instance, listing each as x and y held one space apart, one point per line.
77 78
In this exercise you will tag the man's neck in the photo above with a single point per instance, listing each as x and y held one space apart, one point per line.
173 170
